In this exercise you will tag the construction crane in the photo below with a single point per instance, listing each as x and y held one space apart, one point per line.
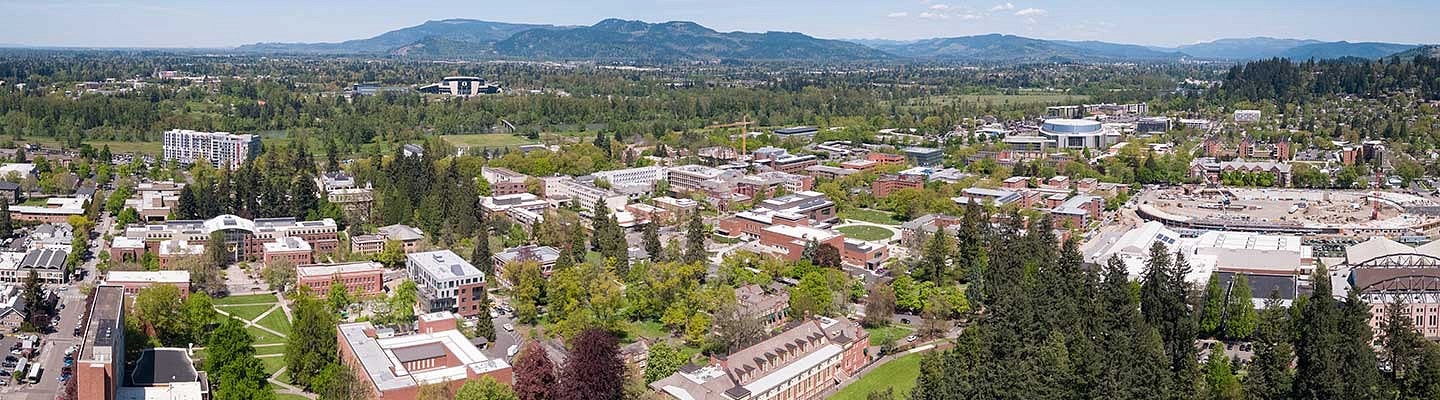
744 123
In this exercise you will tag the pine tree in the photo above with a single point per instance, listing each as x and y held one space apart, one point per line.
934 259
1214 308
651 239
695 240
1269 376
7 228
1163 302
1240 316
1318 373
312 344
481 256
187 207
484 323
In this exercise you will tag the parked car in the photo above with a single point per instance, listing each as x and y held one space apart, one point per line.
509 328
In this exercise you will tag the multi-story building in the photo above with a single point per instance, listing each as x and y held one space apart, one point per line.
1079 210
924 156
134 281
885 158
1152 125
800 363
582 194
679 209
55 210
546 256
769 182
1210 170
48 265
642 177
716 184
772 308
859 165
244 238
887 184
362 277
1064 111
394 367
1243 116
222 149
798 132
496 205
101 371
463 86
155 200
447 282
914 233
410 239
828 172
505 182
356 202
293 249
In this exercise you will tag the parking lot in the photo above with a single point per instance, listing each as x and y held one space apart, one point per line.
52 352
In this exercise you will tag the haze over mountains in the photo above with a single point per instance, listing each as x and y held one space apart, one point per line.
680 41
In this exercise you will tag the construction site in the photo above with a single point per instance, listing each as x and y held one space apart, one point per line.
1292 211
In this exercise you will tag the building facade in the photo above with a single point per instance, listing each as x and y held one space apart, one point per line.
447 282
222 149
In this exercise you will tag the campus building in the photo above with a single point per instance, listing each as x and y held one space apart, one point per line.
888 183
100 369
410 239
802 362
447 282
244 239
924 156
394 367
361 277
504 182
463 86
222 149
134 281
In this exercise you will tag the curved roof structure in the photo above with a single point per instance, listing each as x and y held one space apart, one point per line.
228 221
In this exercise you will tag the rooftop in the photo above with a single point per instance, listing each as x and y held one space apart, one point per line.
325 270
149 276
443 265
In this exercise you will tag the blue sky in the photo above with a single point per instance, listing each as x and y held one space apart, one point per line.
211 23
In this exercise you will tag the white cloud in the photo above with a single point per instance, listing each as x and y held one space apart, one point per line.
1031 12
970 17
930 15
1003 7
898 14
940 7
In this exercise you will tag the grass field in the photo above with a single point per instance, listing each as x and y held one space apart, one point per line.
881 336
865 232
246 312
486 140
246 299
267 350
152 148
872 216
263 337
276 321
648 329
288 396
898 375
273 364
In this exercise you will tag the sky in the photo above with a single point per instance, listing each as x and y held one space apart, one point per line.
211 23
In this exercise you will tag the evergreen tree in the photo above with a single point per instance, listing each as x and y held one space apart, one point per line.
1269 376
1240 316
1220 382
1214 308
7 228
187 207
312 344
695 240
37 309
651 241
481 256
933 260
1414 361
1162 302
484 323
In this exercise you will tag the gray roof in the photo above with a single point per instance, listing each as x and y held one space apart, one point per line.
44 259
421 352
157 367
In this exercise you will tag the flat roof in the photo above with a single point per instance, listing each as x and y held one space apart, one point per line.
443 265
104 325
160 366
334 269
149 276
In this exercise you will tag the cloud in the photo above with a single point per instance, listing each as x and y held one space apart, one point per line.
1003 7
940 7
930 15
1031 12
898 14
970 17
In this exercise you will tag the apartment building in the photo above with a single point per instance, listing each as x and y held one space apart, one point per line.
222 149
447 282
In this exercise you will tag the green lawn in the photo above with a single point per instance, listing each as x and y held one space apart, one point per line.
648 329
288 396
246 312
153 148
246 299
898 374
1033 97
486 140
863 232
267 350
276 321
881 336
272 364
723 239
263 337
872 216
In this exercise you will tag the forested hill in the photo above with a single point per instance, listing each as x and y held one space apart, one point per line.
1287 81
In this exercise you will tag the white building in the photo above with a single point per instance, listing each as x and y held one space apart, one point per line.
1247 115
445 280
643 176
582 194
220 148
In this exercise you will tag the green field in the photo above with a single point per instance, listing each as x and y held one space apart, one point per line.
273 364
267 350
246 299
872 216
898 374
263 337
486 140
276 321
246 312
881 336
152 148
865 232
288 396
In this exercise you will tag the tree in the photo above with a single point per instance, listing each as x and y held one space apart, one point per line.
228 342
826 255
435 391
1240 317
695 240
1330 339
1269 376
37 317
279 274
529 289
484 324
663 361
217 251
735 329
7 228
482 256
812 297
402 302
1220 382
198 314
485 388
159 307
1214 306
651 241
338 297
534 374
1163 303
594 370
237 374
312 344
879 305
934 260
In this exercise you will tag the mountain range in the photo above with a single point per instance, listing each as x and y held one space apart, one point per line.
681 41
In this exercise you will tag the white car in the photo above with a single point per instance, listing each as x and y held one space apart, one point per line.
510 352
911 338
508 327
